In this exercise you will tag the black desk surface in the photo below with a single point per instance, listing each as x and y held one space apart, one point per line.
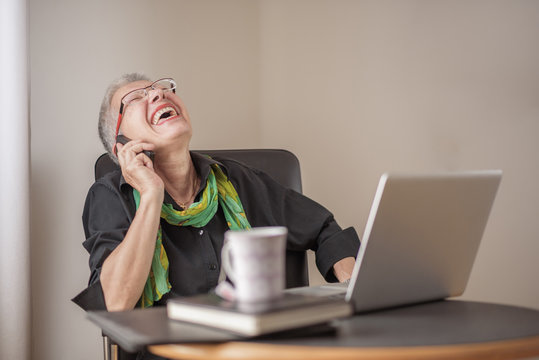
448 322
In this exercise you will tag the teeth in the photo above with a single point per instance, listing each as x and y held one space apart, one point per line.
158 114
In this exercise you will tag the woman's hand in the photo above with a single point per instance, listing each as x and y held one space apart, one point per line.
343 269
137 168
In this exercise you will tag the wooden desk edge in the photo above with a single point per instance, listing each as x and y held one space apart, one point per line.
506 349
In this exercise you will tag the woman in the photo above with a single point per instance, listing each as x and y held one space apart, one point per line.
155 229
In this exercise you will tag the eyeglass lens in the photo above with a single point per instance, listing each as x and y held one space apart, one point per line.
139 94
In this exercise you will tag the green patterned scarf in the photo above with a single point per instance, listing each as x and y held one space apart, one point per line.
219 191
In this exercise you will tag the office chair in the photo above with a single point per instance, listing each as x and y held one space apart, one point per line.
281 165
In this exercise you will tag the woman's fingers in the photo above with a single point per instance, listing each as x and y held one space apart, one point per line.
137 167
139 146
126 153
146 161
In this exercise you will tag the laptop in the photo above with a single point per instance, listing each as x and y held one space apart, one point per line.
420 241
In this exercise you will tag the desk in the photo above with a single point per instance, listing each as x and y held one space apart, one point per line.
444 329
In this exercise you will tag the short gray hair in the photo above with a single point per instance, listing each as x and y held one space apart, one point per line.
107 120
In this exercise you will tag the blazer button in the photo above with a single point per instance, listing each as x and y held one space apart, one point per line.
213 267
201 232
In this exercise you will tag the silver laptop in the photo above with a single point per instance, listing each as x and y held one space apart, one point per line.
420 240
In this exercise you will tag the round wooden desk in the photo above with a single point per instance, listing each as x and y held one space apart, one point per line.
445 329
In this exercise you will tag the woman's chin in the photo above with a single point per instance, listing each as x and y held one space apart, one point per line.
173 128
174 140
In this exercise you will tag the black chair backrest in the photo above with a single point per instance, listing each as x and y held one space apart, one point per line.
281 165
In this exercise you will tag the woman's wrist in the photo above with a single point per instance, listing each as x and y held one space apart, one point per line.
153 196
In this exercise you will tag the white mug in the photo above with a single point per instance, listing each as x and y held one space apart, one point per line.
255 261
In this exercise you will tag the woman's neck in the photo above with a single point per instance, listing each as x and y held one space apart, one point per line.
179 175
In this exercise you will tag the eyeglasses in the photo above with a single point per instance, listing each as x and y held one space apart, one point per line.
134 96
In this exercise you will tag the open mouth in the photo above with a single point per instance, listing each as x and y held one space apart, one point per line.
163 114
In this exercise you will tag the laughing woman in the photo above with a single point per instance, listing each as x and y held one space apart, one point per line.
152 229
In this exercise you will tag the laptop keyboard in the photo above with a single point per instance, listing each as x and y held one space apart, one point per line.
337 290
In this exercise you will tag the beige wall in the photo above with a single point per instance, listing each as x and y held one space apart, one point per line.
354 88
357 88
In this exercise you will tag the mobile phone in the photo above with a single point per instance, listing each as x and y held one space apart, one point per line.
122 139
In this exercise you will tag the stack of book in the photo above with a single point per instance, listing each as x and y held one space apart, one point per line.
291 311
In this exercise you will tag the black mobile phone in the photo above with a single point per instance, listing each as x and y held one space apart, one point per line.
122 139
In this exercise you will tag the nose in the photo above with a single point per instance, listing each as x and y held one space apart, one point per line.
155 95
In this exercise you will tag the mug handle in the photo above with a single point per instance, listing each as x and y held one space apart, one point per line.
227 263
